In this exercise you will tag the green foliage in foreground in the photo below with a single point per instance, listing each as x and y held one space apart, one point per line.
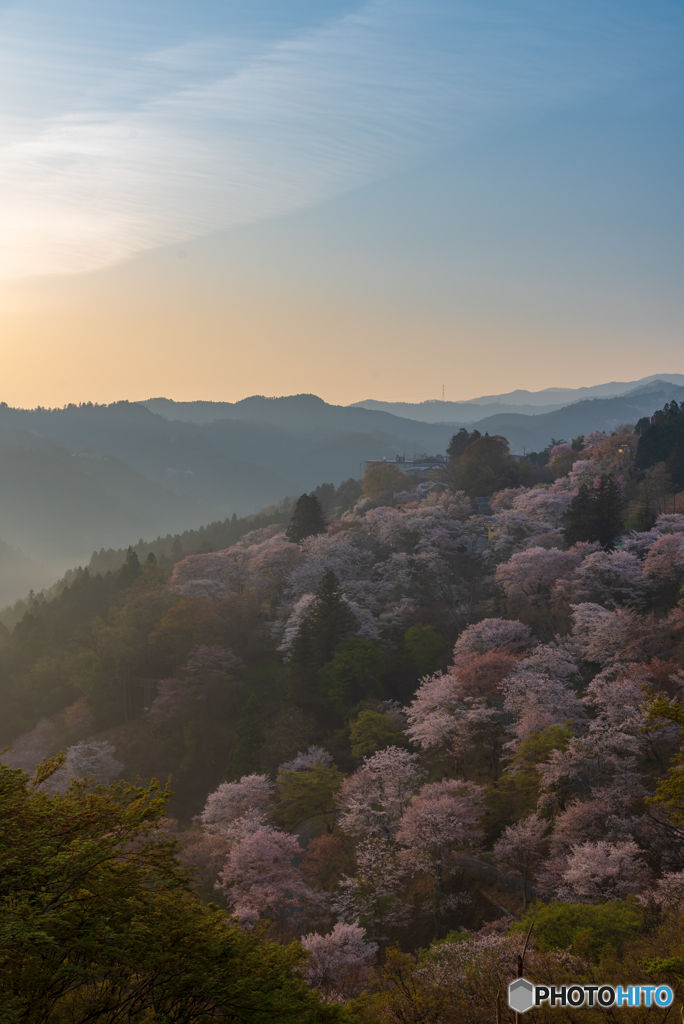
585 929
98 921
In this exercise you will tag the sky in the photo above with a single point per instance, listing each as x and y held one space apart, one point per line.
359 200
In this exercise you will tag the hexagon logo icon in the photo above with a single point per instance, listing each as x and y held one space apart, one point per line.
521 995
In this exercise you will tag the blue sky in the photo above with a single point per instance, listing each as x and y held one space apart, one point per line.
401 179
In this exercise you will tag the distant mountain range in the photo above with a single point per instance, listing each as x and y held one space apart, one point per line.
526 402
84 477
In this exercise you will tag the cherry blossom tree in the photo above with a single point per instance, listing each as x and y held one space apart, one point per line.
307 759
207 665
463 706
604 814
443 818
31 747
608 578
239 806
259 878
338 962
520 849
373 895
490 633
89 759
603 871
557 659
529 575
667 893
322 553
593 439
260 561
290 629
663 567
603 756
538 701
618 696
373 799
602 634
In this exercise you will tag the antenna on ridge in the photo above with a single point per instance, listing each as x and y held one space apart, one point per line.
442 392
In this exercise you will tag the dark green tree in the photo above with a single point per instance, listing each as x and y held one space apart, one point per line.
661 439
424 647
348 493
374 731
328 622
326 495
352 673
245 757
307 519
595 514
459 442
486 466
99 922
129 571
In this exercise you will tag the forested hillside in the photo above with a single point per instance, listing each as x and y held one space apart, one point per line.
400 728
88 477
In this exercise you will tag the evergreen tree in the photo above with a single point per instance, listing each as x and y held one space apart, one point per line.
328 622
307 519
459 442
176 549
129 571
245 757
595 514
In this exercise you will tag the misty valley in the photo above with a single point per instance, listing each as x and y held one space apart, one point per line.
359 751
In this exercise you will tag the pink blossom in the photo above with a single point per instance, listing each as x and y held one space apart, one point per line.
667 893
490 633
557 659
618 695
604 577
519 849
603 815
538 701
559 449
373 799
442 818
663 568
603 757
338 963
602 633
593 439
603 871
251 796
530 574
89 759
259 878
257 562
373 895
310 759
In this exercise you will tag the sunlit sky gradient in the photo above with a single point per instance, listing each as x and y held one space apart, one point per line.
218 199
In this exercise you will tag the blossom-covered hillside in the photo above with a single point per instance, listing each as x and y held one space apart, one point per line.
418 727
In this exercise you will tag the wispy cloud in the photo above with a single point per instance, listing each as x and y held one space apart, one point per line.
109 152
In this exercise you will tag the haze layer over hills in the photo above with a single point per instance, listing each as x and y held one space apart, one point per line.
86 477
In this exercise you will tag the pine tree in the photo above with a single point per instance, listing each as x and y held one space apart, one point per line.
595 514
130 570
327 624
245 757
609 511
307 519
